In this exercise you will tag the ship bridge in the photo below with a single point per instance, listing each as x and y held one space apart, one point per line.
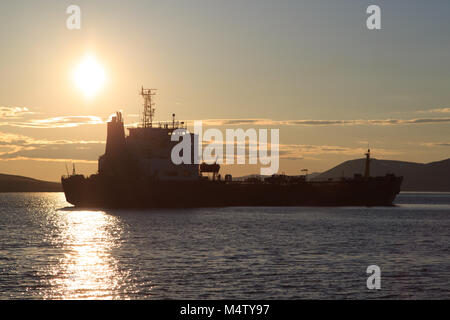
146 151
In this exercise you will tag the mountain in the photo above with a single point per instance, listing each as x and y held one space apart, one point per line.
434 176
10 183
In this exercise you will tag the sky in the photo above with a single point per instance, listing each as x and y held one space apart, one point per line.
311 69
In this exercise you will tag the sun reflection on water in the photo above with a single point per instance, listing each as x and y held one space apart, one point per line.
87 269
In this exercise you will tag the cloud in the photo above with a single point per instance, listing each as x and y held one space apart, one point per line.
57 122
13 112
270 122
438 110
436 144
11 116
65 160
12 138
300 151
19 147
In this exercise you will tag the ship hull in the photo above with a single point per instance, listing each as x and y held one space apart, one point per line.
104 192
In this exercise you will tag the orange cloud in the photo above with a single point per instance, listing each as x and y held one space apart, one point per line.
13 112
57 122
20 147
270 122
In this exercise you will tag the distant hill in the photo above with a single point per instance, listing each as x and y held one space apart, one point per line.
11 183
434 176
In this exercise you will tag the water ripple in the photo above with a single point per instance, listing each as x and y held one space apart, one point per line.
50 251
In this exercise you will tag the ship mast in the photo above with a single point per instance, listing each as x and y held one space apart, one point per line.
367 166
149 110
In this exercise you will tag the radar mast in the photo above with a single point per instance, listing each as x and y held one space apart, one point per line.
149 110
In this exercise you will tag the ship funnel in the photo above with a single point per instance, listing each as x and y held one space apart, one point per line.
115 139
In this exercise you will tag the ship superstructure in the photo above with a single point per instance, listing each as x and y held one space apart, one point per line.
145 153
137 171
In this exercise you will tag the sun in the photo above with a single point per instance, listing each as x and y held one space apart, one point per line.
89 76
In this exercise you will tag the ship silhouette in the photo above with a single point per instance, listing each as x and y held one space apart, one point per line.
136 171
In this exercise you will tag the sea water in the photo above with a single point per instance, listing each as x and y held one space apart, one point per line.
49 250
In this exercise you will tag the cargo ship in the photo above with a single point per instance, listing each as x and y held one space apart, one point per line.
136 171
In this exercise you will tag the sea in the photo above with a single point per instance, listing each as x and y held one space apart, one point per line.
50 250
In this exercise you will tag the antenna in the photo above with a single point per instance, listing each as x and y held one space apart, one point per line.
67 170
306 173
73 169
149 110
367 165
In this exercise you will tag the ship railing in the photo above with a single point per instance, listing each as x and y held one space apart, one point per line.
169 125
65 176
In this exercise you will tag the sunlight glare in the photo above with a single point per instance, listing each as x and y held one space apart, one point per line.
89 76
